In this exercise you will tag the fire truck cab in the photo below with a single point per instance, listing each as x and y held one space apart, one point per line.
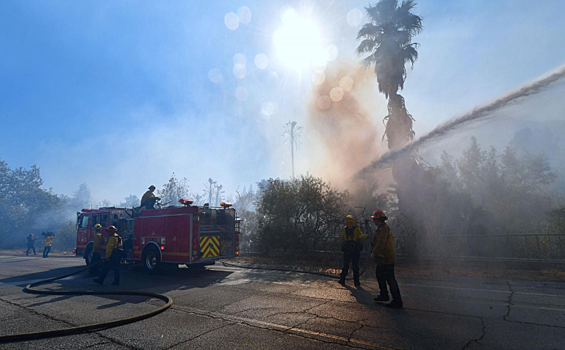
191 235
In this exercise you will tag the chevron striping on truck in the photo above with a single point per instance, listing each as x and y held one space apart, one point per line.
210 246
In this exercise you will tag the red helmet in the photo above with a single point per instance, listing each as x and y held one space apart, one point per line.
379 214
112 228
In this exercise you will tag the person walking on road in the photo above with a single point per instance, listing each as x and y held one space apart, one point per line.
49 237
31 244
351 247
112 257
385 257
96 249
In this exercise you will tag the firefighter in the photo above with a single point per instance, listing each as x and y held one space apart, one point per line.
148 200
96 249
31 244
49 237
112 258
383 254
351 247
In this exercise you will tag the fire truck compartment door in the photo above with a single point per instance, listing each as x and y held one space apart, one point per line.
210 246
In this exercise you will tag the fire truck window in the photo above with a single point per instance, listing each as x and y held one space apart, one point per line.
94 220
84 222
104 220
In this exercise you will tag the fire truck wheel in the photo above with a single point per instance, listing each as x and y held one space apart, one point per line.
151 259
88 255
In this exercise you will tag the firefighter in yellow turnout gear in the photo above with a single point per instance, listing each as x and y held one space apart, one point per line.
112 257
385 257
149 198
351 247
96 249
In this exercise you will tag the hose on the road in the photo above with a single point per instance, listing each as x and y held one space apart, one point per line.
289 270
91 327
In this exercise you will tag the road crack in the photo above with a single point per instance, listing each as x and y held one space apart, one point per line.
483 330
200 335
510 303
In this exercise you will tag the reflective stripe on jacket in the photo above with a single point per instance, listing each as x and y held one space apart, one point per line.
384 245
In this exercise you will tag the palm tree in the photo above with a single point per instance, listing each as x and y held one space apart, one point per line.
387 38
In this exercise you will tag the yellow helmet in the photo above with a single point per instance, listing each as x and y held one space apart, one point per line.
97 226
349 220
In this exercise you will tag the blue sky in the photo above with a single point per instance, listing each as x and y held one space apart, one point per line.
118 94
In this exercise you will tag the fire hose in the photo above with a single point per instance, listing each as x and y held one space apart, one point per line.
91 327
123 321
289 270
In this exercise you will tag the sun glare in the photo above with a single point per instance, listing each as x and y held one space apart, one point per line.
298 42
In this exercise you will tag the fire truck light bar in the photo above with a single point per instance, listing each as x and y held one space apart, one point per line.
187 202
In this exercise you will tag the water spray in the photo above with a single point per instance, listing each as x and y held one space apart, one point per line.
475 115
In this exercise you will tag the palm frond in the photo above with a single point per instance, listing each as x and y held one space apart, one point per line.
369 30
406 20
410 53
368 61
367 45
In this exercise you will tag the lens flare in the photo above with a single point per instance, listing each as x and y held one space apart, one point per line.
215 76
239 73
318 77
346 83
354 17
231 21
261 61
241 93
239 60
336 94
244 14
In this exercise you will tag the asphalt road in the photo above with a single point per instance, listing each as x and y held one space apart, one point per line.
231 308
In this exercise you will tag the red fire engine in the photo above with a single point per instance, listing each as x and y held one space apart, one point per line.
191 235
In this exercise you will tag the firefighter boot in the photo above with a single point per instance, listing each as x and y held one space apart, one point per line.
341 281
395 304
381 297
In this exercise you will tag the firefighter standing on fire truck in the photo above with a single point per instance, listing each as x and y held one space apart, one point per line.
148 200
351 247
112 257
96 249
385 257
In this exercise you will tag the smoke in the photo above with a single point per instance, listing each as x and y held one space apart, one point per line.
480 113
342 112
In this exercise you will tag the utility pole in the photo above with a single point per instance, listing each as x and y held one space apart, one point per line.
218 189
293 134
210 191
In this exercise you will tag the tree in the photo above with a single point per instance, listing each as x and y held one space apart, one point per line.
130 201
387 39
23 204
81 198
302 214
174 190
